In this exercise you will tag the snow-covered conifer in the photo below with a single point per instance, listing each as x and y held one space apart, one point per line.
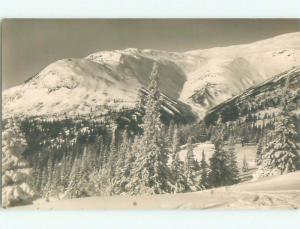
281 155
75 188
120 165
191 166
151 174
17 183
232 160
170 132
48 188
113 153
260 150
177 166
204 183
220 174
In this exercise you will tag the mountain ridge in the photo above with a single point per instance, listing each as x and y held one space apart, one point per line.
104 77
264 98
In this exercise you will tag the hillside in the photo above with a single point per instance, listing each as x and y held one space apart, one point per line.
260 103
96 126
200 78
281 192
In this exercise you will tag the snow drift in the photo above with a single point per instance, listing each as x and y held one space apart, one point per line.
279 192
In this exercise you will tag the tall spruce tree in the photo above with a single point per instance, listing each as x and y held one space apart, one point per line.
191 166
113 154
220 174
43 181
85 170
56 184
233 165
204 182
260 150
75 188
170 133
119 186
177 166
175 149
48 187
100 151
17 182
151 174
128 171
64 176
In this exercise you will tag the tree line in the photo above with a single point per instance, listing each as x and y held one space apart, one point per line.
145 163
86 158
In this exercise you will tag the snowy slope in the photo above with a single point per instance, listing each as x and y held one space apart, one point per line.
79 86
255 99
223 72
73 85
252 195
200 78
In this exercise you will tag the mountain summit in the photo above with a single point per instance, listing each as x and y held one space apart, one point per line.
199 78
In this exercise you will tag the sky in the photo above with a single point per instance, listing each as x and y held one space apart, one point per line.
29 45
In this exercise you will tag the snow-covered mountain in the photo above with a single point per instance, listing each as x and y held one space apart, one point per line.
223 72
261 102
200 78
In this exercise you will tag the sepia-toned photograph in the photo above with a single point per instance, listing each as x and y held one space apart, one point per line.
150 114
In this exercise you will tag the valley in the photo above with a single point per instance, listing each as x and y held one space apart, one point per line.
109 130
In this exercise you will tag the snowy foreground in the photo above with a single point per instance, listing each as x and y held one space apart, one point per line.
280 192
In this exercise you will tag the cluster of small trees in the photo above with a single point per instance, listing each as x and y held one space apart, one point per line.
94 162
148 163
83 159
277 151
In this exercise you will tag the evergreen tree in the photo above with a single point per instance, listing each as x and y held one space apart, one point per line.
170 133
100 150
17 182
37 174
190 166
43 181
113 154
281 155
204 182
85 170
260 149
75 188
56 186
92 157
129 163
64 171
48 187
105 154
151 174
177 167
220 174
123 151
233 166
105 182
175 149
